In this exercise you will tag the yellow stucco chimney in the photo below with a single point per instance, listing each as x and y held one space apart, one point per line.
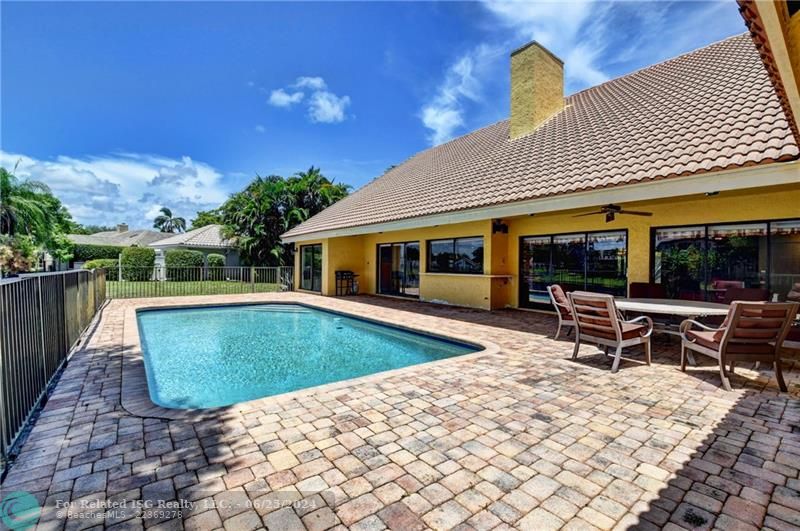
537 88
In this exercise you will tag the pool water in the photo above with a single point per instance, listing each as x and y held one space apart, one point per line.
209 357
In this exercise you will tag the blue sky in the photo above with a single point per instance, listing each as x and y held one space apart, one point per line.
125 107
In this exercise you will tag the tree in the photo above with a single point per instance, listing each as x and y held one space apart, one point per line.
90 229
165 222
206 217
23 208
32 220
255 218
313 193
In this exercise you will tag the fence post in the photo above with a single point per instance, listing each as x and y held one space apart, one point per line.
252 279
66 324
3 409
41 329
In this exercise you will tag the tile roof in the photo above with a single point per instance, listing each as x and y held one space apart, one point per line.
208 236
711 109
122 239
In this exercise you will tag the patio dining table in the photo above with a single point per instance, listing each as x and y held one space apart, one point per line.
687 309
672 307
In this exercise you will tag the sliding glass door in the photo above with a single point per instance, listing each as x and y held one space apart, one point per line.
595 261
706 262
398 269
311 267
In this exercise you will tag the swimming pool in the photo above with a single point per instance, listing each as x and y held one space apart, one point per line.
217 356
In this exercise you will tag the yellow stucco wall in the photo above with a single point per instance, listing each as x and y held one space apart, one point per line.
494 290
769 203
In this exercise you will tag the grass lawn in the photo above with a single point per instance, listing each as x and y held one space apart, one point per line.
130 289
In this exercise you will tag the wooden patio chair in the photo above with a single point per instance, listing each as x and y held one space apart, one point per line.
752 331
561 304
598 321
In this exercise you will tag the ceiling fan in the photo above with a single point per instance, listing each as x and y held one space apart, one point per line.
612 210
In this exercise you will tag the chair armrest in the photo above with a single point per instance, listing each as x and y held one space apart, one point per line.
687 324
646 320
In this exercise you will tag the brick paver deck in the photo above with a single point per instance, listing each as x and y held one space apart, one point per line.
521 438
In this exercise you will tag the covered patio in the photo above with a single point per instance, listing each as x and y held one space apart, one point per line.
521 437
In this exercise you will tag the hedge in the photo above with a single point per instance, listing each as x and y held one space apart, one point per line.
183 264
111 267
84 253
216 260
137 263
215 263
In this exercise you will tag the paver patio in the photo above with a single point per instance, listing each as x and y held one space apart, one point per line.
521 438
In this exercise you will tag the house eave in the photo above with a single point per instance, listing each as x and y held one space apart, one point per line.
772 174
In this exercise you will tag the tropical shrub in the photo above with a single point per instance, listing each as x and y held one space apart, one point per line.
17 254
215 263
137 263
110 265
183 264
216 260
84 253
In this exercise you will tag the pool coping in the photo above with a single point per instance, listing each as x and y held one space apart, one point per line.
135 396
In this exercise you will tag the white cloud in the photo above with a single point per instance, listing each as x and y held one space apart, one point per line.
444 113
124 187
322 105
327 107
313 83
281 98
575 31
260 128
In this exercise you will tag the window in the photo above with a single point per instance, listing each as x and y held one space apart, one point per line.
311 267
595 261
459 255
703 262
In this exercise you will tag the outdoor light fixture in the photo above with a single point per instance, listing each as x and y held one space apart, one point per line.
711 194
499 226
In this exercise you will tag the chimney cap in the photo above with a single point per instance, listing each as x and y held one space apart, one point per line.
538 45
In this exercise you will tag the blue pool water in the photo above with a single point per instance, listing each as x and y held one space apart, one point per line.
208 357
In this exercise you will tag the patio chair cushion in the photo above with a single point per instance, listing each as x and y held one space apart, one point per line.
707 339
629 331
561 298
749 329
794 293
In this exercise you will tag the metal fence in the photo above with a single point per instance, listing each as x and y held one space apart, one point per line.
159 281
41 318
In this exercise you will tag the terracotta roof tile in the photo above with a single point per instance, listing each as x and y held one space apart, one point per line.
711 109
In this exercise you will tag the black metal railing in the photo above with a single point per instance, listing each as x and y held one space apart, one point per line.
163 281
42 316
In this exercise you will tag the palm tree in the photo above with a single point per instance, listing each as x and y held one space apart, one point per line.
167 223
24 207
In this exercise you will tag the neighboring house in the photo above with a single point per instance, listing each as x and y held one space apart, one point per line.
122 237
206 239
700 147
